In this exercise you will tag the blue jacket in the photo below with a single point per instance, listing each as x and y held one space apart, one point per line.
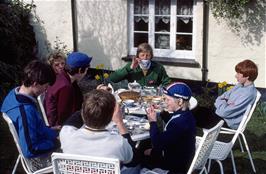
35 138
177 142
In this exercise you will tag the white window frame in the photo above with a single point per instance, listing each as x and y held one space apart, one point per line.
168 53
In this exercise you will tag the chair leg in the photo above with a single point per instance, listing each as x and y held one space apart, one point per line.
240 143
16 165
221 166
249 154
233 162
209 165
204 170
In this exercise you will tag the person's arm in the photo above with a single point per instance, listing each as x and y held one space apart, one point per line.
40 138
233 105
75 120
121 74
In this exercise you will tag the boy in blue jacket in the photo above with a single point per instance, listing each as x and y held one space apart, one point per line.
36 140
174 148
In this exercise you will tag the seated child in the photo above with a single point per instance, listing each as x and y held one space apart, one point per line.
174 148
88 135
232 104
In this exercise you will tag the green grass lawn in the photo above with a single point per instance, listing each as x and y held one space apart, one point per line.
255 134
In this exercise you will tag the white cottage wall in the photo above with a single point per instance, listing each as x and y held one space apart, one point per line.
102 33
53 23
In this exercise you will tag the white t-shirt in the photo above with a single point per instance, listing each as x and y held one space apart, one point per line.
95 143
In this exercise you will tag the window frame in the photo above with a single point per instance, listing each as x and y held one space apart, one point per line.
165 53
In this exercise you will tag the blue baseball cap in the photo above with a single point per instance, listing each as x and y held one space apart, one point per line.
178 90
78 60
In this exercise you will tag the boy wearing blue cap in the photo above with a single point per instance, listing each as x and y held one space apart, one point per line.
65 97
174 148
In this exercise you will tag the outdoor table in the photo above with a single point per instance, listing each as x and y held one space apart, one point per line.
138 127
138 109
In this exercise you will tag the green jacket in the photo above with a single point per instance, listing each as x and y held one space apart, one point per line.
155 76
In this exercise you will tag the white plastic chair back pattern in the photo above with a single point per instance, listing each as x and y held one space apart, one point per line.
204 148
79 164
21 157
40 100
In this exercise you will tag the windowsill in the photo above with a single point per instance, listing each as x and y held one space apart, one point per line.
171 61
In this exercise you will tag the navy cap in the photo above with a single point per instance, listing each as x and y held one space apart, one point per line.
178 90
78 60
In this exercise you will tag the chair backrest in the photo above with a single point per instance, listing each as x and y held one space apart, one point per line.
79 164
40 100
253 106
13 131
204 148
25 164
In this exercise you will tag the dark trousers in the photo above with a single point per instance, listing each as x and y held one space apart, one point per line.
206 118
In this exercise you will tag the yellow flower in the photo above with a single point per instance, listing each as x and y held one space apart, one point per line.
224 83
220 85
105 75
97 67
101 65
97 77
229 88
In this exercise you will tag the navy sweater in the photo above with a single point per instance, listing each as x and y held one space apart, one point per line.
177 142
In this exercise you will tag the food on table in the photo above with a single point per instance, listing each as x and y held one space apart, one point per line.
133 95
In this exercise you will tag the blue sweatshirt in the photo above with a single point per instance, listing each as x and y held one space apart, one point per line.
35 138
232 104
176 142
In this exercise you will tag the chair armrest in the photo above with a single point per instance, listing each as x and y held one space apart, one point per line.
227 131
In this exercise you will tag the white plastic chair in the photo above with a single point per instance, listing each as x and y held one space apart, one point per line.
204 148
25 164
79 164
222 150
40 100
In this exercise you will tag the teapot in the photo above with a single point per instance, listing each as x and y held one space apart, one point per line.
134 86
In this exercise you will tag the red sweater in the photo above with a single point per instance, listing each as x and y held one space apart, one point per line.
62 99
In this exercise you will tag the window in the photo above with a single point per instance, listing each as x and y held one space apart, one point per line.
167 25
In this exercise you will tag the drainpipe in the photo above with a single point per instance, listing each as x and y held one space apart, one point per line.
74 24
204 68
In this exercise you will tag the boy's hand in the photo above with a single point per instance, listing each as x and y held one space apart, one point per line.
104 87
118 119
151 113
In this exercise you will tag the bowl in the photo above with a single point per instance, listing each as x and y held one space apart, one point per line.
129 102
128 94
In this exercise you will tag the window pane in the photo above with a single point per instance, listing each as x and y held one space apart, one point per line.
162 24
162 41
162 7
183 42
184 7
140 38
141 23
141 6
184 24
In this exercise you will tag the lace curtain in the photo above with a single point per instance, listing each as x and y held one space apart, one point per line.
162 7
